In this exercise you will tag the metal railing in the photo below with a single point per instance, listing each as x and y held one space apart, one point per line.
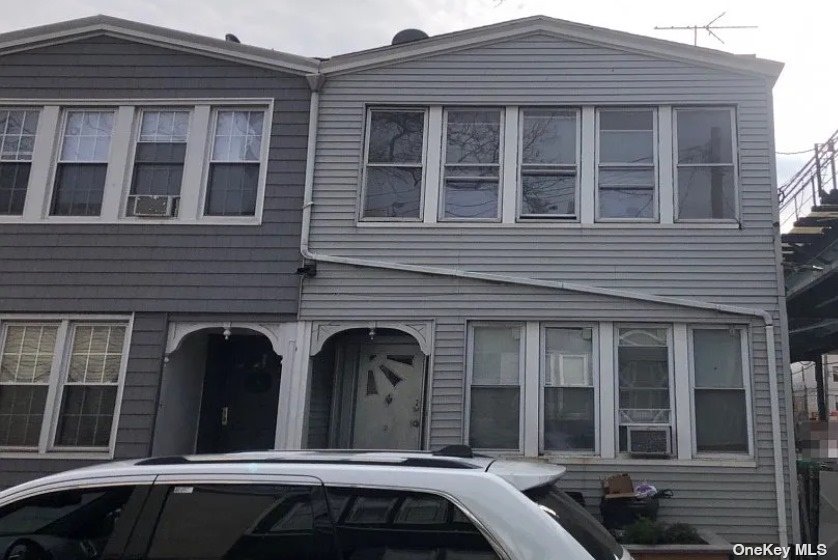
809 185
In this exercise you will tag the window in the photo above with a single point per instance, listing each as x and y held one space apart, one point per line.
705 176
159 155
626 160
82 163
549 168
232 187
388 524
471 182
259 522
82 413
85 521
496 367
569 395
394 164
835 374
17 140
720 402
643 379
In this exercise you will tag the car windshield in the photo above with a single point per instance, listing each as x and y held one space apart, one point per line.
577 521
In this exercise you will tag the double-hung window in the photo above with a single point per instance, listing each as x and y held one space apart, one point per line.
626 164
159 156
569 399
720 395
549 164
17 140
471 182
82 163
59 382
496 368
706 171
233 178
394 168
643 379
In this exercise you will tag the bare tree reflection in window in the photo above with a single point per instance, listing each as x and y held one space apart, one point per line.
472 163
548 163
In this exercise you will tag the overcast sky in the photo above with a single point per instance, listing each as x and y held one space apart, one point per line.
800 34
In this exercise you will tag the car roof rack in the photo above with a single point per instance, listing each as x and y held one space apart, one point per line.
461 451
431 461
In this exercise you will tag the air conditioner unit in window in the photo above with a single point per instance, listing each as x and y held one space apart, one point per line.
649 441
153 206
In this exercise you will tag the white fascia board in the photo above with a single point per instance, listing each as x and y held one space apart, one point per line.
578 32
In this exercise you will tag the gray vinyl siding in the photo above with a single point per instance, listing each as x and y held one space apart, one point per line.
159 268
729 266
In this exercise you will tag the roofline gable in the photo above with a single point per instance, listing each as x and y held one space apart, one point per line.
387 55
72 30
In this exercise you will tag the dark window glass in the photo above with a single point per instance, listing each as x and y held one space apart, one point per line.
21 414
67 524
548 163
241 522
17 140
569 389
232 189
494 421
86 416
387 524
234 167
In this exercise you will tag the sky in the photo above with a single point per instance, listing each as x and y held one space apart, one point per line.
796 33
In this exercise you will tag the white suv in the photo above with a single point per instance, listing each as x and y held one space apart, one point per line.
306 505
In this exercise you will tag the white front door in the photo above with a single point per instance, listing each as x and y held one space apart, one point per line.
389 397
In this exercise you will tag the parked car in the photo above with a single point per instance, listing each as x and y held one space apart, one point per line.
303 505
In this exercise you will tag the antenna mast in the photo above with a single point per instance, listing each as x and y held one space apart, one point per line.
708 27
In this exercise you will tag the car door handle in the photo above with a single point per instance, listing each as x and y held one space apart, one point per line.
225 415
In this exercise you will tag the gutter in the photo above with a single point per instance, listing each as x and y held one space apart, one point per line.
316 82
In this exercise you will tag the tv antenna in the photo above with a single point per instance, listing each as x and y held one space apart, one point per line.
709 27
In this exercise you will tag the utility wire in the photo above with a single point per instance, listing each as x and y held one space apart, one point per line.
794 153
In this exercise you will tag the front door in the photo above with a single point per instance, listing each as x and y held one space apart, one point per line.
241 393
389 397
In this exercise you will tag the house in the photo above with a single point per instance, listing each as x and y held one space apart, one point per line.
150 191
804 387
550 240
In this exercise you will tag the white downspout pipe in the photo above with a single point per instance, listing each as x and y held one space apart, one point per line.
316 82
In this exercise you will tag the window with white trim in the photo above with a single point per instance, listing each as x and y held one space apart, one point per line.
471 164
705 178
626 164
496 368
17 140
159 156
59 381
644 382
233 177
720 398
549 174
82 162
394 165
569 400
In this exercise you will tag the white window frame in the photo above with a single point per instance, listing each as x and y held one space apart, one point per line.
655 164
734 146
595 379
58 374
122 151
31 161
744 343
519 182
502 110
362 190
673 404
522 363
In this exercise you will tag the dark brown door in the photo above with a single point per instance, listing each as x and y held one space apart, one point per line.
241 393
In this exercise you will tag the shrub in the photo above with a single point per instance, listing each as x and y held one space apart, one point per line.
646 531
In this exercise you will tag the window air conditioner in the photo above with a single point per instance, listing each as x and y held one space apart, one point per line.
649 441
154 206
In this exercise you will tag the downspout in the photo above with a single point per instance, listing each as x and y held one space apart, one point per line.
316 82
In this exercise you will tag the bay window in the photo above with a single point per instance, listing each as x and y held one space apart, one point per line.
721 410
496 367
17 140
234 167
395 154
705 177
59 384
549 165
472 155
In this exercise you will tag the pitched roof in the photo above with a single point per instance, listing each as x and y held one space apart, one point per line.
55 33
671 50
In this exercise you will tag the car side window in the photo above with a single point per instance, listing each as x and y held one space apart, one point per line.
242 521
77 523
375 524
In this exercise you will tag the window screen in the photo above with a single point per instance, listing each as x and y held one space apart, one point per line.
234 166
17 140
